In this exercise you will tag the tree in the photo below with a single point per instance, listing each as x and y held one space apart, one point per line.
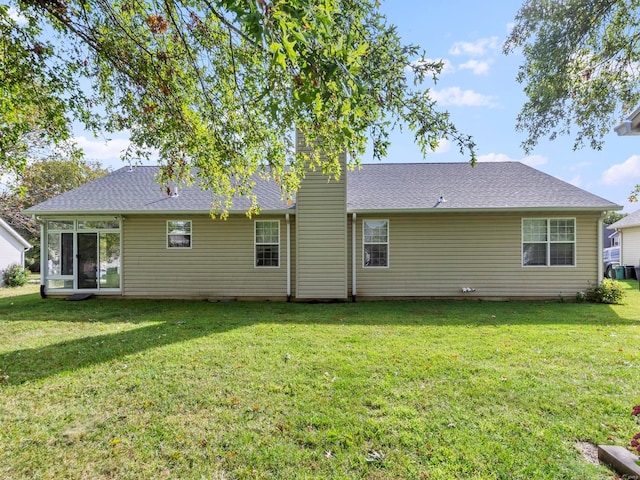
581 67
219 85
43 179
613 217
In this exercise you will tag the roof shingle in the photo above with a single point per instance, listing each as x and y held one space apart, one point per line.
372 187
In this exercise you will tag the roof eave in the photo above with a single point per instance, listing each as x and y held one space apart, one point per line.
123 213
438 210
15 235
630 126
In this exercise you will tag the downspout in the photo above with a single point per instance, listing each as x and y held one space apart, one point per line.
288 257
353 258
600 247
43 259
620 242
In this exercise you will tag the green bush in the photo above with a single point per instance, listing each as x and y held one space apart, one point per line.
15 276
609 291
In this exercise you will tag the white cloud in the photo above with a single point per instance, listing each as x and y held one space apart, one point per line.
623 173
478 48
444 146
532 160
575 181
447 66
458 97
476 66
102 150
16 16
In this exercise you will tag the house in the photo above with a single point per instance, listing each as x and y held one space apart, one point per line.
628 229
448 230
629 126
12 247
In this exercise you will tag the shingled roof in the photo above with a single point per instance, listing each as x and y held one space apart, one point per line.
373 187
631 220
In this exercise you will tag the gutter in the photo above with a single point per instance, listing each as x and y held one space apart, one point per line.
288 257
101 213
600 243
292 211
353 258
440 210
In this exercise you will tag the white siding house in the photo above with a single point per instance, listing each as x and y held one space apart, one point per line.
629 238
12 247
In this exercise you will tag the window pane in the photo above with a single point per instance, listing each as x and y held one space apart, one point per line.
534 230
562 230
59 284
561 254
179 226
267 232
59 254
109 260
98 224
267 255
375 231
179 241
54 254
375 255
67 253
534 254
60 225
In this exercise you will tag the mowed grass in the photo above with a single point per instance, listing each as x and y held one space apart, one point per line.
137 389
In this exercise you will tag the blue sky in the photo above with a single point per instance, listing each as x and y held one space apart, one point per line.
479 89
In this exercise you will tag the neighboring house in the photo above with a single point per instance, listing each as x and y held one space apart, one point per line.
631 125
12 247
629 235
629 226
612 238
499 230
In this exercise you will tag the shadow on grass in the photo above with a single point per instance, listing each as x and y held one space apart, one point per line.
170 321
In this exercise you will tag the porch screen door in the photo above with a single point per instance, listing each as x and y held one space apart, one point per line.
87 260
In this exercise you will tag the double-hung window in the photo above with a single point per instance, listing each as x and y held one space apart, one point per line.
375 237
267 243
548 242
178 233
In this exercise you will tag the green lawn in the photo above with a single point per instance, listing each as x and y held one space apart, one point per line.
137 389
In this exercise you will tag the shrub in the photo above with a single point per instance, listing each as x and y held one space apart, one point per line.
15 276
609 291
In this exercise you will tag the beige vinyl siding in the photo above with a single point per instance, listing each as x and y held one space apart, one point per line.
439 254
630 246
321 237
219 264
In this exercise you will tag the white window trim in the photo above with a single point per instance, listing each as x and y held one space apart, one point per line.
168 247
377 243
255 244
549 242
